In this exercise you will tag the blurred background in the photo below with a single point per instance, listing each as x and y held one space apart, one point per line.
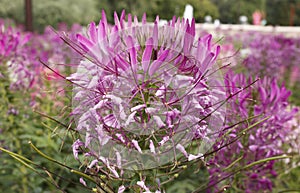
52 12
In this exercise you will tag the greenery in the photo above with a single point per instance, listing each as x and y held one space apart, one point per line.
45 13
231 10
20 123
51 12
278 12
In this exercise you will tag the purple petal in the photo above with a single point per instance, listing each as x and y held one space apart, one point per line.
262 93
144 19
132 53
136 145
75 148
142 185
121 189
92 32
193 157
85 42
138 107
117 21
164 140
206 63
93 163
129 20
147 54
101 31
155 35
158 121
157 63
81 180
152 147
182 150
122 18
103 19
218 49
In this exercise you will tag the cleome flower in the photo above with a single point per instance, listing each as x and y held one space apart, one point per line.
144 89
265 99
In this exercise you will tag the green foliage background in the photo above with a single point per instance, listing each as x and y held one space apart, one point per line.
53 12
17 129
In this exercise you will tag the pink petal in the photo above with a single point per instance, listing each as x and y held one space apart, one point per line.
144 19
155 35
132 53
173 21
158 121
164 140
263 94
193 157
129 22
81 180
120 137
142 185
92 32
101 31
135 20
182 150
93 163
122 18
218 49
85 42
119 159
206 63
152 147
113 170
121 189
157 63
117 21
136 145
147 54
192 29
103 19
188 41
138 107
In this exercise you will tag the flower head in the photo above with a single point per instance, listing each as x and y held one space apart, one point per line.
264 99
145 88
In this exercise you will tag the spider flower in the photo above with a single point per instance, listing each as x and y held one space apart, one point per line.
272 56
268 139
12 55
144 89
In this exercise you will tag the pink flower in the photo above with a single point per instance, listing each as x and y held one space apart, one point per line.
146 80
263 99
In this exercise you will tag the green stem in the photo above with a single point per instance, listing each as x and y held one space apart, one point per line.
15 155
83 175
47 157
233 163
265 160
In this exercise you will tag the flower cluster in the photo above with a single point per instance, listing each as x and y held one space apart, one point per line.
14 56
266 100
144 92
21 52
25 85
273 56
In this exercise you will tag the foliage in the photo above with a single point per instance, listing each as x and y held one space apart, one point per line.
279 12
231 10
202 8
66 11
51 12
20 103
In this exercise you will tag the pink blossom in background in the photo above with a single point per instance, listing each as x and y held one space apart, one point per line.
264 98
